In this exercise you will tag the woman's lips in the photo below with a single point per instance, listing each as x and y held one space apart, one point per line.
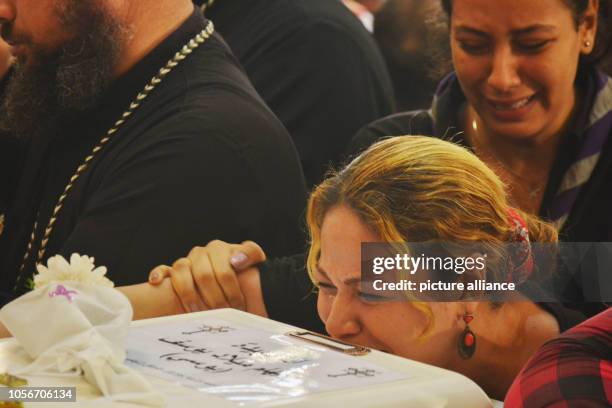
511 105
510 110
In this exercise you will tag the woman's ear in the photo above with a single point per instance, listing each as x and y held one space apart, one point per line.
588 27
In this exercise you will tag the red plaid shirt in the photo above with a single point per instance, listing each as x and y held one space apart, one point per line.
573 370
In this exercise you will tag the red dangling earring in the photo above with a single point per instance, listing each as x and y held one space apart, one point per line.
467 339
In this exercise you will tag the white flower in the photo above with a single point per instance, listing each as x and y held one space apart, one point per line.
80 269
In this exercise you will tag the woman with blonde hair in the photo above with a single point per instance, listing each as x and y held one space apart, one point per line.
437 192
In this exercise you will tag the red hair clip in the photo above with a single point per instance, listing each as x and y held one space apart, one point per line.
520 261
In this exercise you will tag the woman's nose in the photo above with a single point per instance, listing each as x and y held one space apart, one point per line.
343 320
504 74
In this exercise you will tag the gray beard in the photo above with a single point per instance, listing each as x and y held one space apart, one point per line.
62 85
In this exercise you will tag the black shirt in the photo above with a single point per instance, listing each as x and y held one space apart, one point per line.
201 158
315 65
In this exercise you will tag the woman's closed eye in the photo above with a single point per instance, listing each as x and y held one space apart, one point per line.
327 288
372 297
532 46
524 46
474 47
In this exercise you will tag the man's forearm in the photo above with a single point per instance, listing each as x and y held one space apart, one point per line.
152 301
